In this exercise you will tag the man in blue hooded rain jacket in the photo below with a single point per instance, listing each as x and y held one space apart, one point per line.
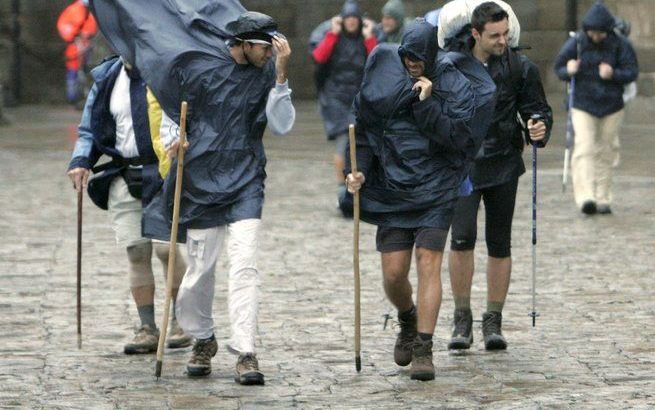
602 63
414 142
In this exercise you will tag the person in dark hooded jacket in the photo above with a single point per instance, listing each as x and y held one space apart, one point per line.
602 63
495 172
340 56
413 132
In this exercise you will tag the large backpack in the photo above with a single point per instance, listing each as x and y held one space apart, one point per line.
484 89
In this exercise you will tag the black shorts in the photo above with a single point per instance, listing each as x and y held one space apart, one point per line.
390 239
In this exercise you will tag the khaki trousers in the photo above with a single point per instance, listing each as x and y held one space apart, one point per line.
594 155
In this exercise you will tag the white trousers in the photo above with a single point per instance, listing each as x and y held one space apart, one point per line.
196 294
594 155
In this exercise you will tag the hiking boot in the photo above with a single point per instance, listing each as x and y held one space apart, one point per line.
176 337
422 366
402 351
145 341
247 372
604 209
200 363
589 207
493 337
462 337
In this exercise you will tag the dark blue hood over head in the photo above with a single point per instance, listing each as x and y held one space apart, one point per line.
420 43
351 9
598 18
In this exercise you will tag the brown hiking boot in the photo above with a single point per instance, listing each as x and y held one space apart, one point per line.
402 351
145 341
247 372
422 366
176 337
200 363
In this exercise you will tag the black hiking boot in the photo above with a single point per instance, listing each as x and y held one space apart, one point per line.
200 363
589 208
402 351
462 337
422 367
493 337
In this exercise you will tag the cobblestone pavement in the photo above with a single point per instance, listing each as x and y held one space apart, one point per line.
593 346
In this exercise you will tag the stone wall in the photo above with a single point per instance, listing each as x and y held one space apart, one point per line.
543 28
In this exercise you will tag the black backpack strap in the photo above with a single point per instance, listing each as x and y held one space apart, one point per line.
515 69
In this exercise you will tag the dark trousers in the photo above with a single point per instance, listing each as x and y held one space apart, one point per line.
499 202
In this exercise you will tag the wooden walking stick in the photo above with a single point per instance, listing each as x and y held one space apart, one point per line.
353 166
173 242
80 195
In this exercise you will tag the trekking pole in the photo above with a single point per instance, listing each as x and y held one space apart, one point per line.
353 166
534 313
79 267
569 128
173 242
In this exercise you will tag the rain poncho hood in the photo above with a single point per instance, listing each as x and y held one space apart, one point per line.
598 18
351 9
420 43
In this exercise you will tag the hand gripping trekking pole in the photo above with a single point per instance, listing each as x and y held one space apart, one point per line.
79 267
173 241
353 166
534 313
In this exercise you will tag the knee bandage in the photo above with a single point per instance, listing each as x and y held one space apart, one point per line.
140 265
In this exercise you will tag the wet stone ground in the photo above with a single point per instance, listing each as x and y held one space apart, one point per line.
593 347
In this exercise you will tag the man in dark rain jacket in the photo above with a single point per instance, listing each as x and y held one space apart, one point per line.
495 173
602 63
340 55
413 140
234 88
224 189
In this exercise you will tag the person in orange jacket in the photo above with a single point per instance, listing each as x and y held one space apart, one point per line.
76 26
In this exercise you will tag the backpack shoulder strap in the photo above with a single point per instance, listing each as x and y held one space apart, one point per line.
515 69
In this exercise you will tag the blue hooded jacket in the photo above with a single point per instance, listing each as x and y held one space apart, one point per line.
594 95
413 153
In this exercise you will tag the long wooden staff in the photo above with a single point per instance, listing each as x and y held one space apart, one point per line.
79 267
173 242
353 165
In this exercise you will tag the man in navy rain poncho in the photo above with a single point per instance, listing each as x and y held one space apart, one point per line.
218 58
223 191
414 141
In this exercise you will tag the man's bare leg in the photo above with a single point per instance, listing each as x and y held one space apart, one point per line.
395 272
428 264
